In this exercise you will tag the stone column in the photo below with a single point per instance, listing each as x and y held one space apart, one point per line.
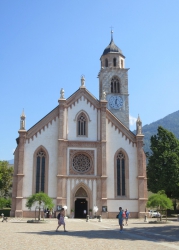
142 180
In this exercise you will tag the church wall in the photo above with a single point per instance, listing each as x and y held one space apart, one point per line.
131 205
116 141
48 138
92 124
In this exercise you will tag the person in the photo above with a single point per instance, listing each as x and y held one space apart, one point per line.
127 216
120 217
61 220
84 212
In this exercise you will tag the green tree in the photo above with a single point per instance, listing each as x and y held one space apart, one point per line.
6 173
3 202
39 199
163 164
160 201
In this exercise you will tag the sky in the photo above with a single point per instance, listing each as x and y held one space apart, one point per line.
47 45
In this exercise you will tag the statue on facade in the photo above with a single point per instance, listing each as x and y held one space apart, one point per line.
22 121
103 96
138 126
62 92
82 81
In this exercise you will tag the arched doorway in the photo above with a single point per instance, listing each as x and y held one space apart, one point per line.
81 203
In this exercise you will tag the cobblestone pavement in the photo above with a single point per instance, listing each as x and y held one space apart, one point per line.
18 234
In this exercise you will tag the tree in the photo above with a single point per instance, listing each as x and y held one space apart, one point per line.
2 202
163 164
41 199
160 201
6 173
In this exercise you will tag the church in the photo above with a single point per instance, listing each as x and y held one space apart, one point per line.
82 153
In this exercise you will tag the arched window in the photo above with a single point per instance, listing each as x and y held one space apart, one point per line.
106 62
114 62
121 174
40 171
82 124
115 85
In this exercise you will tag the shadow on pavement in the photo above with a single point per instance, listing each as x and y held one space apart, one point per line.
159 234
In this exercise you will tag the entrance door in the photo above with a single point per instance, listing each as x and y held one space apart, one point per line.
80 206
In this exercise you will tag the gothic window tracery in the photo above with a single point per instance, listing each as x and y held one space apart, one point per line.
81 193
115 85
81 163
121 174
40 171
82 124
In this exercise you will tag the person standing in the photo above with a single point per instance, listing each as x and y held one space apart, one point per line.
127 216
120 217
61 220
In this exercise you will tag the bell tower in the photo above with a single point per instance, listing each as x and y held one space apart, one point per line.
113 79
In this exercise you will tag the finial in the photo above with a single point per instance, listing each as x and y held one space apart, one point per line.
23 115
82 81
22 121
111 33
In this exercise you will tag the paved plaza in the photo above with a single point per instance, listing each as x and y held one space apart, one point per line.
18 234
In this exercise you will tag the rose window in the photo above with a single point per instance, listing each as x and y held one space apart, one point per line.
81 163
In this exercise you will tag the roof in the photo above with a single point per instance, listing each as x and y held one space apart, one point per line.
112 48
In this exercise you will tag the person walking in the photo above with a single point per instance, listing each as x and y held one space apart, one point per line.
127 216
61 220
120 217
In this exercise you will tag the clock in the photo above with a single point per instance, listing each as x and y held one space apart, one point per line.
115 102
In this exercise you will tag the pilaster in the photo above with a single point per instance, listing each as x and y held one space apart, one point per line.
102 172
142 180
62 157
20 173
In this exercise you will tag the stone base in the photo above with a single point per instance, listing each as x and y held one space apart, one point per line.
18 213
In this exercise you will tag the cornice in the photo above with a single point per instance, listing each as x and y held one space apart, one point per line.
79 176
44 122
82 93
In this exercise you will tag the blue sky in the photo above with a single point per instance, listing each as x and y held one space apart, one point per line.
48 45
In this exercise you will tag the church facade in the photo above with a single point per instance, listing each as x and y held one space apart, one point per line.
82 154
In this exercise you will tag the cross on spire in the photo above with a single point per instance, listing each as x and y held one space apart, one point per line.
111 33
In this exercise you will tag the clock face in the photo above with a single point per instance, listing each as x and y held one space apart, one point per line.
115 102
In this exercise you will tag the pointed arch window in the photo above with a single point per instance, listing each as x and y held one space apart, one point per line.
82 125
115 85
40 171
121 174
106 62
114 62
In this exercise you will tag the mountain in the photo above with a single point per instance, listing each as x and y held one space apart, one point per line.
11 162
169 122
